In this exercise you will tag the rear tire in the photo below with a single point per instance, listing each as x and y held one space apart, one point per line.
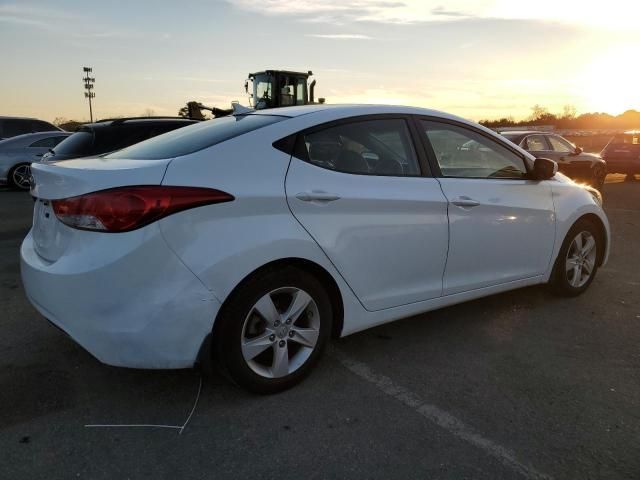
577 261
19 175
273 330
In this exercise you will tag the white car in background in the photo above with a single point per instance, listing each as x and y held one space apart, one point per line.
264 234
17 154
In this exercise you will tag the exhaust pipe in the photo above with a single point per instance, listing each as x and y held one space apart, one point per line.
312 87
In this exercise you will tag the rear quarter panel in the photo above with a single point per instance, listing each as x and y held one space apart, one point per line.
222 244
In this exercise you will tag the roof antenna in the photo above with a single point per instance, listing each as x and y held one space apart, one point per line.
239 109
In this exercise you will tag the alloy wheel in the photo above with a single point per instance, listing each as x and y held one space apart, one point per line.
581 259
21 177
280 332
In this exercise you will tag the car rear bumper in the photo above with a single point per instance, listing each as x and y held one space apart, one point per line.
144 309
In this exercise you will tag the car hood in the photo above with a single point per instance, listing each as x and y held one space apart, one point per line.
590 156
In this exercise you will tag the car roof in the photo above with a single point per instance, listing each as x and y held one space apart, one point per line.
27 138
352 110
3 117
139 120
524 132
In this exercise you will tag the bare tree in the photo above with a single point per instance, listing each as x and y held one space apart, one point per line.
569 111
149 112
538 111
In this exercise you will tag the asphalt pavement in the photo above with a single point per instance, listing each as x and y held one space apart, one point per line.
518 385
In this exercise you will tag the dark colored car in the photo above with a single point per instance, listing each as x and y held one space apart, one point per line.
622 154
107 136
14 126
572 161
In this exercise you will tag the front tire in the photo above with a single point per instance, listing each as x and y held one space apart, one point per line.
273 330
598 177
19 177
577 261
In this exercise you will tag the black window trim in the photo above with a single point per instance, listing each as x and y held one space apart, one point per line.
294 144
433 161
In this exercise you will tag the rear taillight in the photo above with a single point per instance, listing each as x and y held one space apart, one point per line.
127 208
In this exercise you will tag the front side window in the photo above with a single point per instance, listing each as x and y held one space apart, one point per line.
287 91
462 152
300 91
535 143
368 147
560 145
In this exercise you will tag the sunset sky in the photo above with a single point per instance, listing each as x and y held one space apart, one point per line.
477 59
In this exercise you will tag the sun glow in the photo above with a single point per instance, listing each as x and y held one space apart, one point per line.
610 81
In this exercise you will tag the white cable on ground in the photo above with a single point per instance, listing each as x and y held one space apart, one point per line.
195 404
147 425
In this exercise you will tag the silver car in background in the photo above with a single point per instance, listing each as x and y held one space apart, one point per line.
17 154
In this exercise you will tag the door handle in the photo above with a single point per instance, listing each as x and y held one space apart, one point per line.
315 196
465 202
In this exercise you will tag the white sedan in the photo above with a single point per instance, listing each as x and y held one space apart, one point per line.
256 237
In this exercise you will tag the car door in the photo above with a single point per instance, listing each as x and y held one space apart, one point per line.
359 189
567 156
501 224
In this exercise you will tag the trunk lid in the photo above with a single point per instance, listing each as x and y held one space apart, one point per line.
71 178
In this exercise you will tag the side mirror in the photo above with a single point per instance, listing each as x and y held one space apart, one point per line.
577 151
544 169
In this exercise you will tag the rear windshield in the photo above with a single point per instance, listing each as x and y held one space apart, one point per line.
79 143
628 139
195 137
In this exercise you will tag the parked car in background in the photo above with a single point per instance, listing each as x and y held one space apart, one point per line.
256 237
109 135
17 154
572 161
622 154
13 126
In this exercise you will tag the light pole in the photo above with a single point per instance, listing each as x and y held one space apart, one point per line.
88 86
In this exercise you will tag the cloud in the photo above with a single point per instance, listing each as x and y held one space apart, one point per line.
58 21
340 12
27 13
340 36
22 21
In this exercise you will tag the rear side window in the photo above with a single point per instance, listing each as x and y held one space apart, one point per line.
368 147
184 141
48 142
626 139
40 126
12 128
